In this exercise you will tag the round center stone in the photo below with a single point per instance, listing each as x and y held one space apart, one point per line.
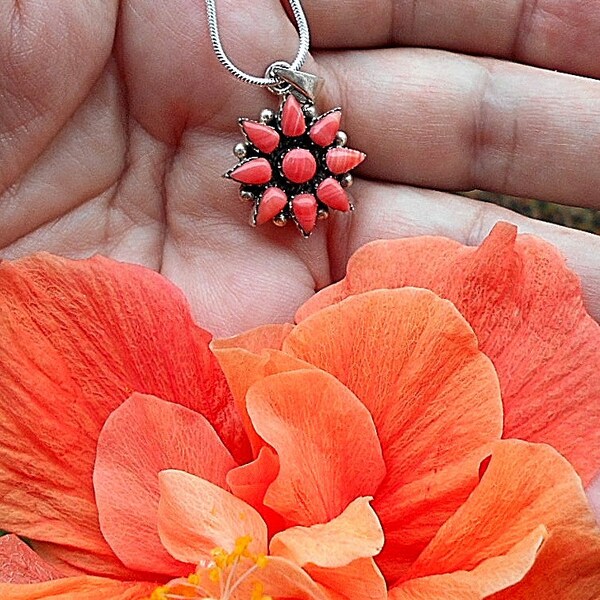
299 165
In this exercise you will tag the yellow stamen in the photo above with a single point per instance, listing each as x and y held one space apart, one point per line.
221 572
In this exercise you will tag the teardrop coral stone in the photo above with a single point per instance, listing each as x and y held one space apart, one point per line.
299 165
330 192
305 211
342 160
292 118
263 137
272 203
324 130
253 172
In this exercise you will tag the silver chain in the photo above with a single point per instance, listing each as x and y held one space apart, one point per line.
269 80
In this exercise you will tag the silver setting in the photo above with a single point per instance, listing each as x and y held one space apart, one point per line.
247 196
280 220
308 85
267 116
346 180
240 150
323 213
310 110
341 138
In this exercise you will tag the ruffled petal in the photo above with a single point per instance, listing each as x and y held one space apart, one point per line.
527 310
354 534
434 397
490 576
77 588
196 516
20 564
525 486
414 512
265 337
593 492
249 362
360 580
76 339
448 587
251 481
326 441
142 437
284 579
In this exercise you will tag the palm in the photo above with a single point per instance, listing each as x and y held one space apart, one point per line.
119 149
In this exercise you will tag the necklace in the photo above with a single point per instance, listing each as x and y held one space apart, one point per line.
293 165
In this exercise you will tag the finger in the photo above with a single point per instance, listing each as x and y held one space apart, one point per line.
51 54
180 84
556 34
445 121
386 211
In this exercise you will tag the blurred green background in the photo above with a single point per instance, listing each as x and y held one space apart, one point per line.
577 218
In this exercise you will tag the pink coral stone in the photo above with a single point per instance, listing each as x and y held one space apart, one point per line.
330 192
265 138
272 203
292 118
342 160
299 165
305 211
324 130
256 171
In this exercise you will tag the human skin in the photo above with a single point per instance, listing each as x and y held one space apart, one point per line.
116 122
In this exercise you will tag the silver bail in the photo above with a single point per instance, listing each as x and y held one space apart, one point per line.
306 84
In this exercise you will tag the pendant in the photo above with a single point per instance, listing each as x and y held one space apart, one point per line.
294 164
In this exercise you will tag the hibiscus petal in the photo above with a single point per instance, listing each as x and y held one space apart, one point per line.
413 361
326 441
527 310
78 588
142 437
196 516
490 576
265 337
284 579
354 534
250 482
448 587
524 486
414 512
360 580
20 564
76 339
594 497
250 362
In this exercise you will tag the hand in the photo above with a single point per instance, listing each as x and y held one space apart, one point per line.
119 149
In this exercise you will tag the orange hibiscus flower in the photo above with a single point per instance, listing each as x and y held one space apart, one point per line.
382 395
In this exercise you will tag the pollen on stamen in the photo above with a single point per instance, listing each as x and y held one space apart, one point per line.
218 578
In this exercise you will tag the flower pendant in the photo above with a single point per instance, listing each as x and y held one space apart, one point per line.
294 164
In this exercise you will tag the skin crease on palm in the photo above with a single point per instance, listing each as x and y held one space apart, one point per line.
116 122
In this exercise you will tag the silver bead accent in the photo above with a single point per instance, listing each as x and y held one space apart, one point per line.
280 220
323 214
341 139
246 196
310 111
266 116
240 150
347 180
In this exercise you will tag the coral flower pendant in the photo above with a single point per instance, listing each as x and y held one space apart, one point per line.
294 164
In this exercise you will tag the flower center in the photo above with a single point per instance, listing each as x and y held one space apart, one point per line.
223 576
299 165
